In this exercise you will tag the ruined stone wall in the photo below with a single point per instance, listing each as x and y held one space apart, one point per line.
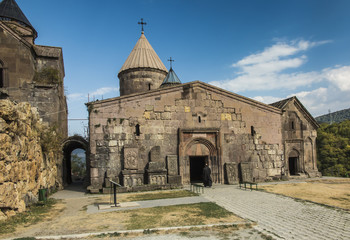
28 157
160 114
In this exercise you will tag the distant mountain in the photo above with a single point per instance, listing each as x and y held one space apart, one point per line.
333 117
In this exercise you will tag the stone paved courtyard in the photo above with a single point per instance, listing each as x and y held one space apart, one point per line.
282 217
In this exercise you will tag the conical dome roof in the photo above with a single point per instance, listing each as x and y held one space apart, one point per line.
143 56
171 79
9 9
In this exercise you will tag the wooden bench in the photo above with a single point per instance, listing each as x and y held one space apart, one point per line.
196 188
250 184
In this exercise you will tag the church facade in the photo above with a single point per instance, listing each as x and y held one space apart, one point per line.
160 132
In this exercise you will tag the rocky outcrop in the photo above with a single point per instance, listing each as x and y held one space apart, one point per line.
28 157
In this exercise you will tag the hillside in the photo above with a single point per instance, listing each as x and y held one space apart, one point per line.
333 117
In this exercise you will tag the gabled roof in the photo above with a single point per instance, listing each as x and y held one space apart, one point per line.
164 91
171 79
143 56
283 103
9 9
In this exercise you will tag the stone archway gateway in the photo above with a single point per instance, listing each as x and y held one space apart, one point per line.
197 147
68 146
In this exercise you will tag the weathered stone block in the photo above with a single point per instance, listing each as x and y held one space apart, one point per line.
155 155
158 178
133 178
174 179
271 152
154 166
149 107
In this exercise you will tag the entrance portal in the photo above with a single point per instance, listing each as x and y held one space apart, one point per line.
68 146
197 164
293 167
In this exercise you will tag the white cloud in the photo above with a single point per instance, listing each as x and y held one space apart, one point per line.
320 100
103 90
75 96
267 99
340 76
277 51
317 101
264 70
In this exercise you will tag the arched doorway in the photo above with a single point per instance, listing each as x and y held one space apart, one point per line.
293 162
198 152
68 146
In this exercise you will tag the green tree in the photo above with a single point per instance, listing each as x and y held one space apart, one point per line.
333 149
78 166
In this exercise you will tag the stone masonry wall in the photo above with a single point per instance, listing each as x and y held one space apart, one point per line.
27 163
159 116
22 63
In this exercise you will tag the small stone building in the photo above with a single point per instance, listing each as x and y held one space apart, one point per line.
160 132
29 72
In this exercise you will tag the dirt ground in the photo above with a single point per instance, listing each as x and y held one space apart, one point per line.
332 192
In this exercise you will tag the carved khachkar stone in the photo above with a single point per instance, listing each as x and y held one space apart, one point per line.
231 173
246 172
172 165
131 156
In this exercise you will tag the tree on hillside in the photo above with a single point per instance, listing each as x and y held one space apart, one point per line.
333 149
78 166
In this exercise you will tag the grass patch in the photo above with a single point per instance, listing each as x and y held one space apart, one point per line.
334 192
178 215
157 195
34 214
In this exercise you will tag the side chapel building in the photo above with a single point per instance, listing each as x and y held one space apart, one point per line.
160 132
29 72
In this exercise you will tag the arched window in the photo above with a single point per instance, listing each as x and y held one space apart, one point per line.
199 119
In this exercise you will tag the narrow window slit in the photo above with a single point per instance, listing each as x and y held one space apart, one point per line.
137 130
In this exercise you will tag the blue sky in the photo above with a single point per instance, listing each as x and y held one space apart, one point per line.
266 50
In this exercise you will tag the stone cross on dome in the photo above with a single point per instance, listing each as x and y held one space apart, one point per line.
142 23
171 60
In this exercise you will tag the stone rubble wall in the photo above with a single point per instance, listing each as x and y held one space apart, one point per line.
24 167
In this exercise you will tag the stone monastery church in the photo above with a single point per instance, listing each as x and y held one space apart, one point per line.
161 132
